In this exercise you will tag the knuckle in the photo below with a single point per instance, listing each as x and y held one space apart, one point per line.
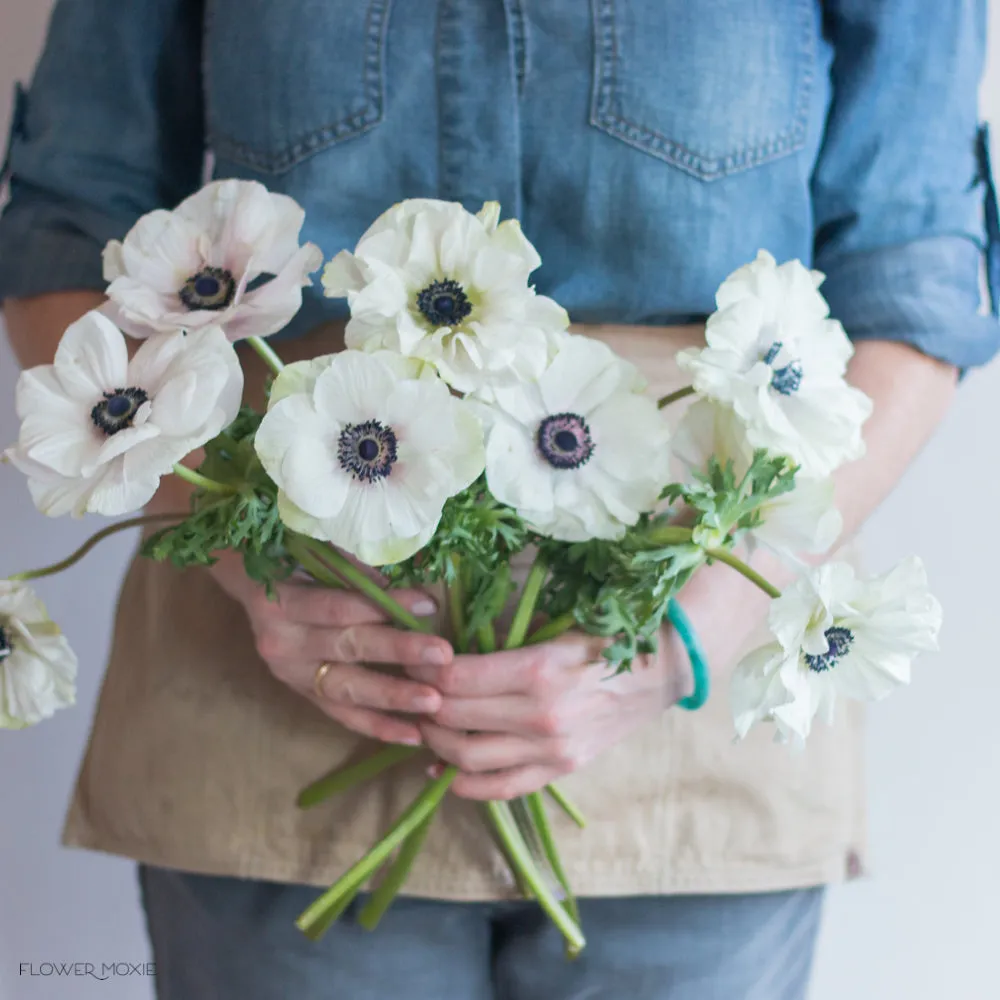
262 608
549 721
397 697
342 689
539 673
445 715
449 678
347 645
464 757
336 609
270 645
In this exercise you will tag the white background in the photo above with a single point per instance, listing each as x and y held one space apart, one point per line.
923 927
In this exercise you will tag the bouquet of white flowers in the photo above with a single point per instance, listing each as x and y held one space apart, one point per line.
462 429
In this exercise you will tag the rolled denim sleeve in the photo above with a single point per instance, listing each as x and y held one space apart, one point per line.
902 183
111 128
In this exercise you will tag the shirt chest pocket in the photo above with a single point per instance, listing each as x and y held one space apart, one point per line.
711 86
285 79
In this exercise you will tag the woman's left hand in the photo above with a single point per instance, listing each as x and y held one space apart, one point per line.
513 722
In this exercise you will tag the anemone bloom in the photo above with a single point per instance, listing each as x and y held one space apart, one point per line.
365 449
433 281
777 360
37 665
581 452
835 636
98 430
227 256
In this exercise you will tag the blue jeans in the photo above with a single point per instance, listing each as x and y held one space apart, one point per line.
220 938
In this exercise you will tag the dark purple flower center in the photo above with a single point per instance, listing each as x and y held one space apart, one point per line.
6 646
786 379
210 288
117 409
839 641
564 441
444 303
367 451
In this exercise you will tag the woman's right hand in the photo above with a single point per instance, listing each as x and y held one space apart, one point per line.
309 625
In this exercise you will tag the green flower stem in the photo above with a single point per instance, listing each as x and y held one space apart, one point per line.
672 397
342 778
315 919
313 566
486 638
95 539
456 606
389 887
669 534
518 851
567 805
551 629
267 353
536 807
202 482
361 582
741 567
332 915
526 605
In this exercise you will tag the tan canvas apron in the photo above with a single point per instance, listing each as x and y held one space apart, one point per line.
197 753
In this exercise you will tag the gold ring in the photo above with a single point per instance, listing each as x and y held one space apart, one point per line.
321 672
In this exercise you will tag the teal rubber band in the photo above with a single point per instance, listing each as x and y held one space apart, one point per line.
699 665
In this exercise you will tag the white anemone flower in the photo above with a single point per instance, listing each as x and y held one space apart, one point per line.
581 452
776 358
835 636
98 430
227 256
365 450
802 521
433 281
37 666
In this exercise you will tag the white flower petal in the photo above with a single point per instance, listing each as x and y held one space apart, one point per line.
38 674
353 387
582 375
515 473
91 358
298 449
343 274
270 307
54 494
756 688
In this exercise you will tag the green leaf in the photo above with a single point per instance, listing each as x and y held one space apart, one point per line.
246 521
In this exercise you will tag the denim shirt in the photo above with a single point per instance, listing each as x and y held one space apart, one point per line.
649 147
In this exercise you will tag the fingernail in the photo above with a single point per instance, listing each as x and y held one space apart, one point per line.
411 741
425 606
424 703
435 770
434 655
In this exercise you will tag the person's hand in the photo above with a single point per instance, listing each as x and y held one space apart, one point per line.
515 721
309 625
